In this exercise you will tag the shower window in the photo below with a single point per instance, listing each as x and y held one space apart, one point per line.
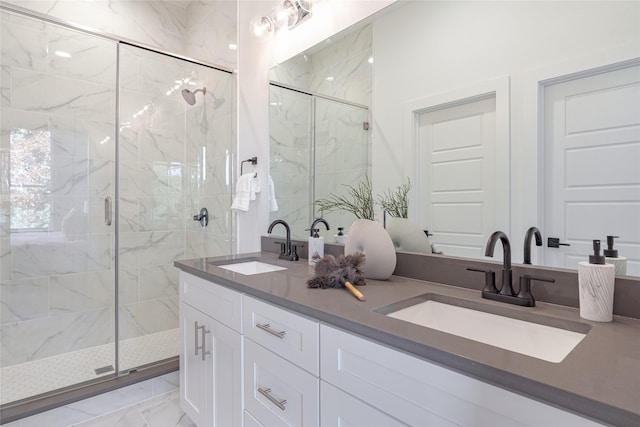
30 180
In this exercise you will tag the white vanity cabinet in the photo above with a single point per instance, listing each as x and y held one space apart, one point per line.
211 353
412 391
247 362
281 366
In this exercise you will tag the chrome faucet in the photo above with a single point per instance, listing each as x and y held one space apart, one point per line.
506 293
532 231
285 248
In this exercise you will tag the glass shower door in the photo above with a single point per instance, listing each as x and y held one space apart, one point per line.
57 238
176 146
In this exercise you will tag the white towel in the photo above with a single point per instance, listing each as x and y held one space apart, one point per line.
246 188
273 203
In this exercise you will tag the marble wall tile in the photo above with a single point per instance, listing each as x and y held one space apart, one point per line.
92 59
86 138
151 247
5 86
58 334
22 300
23 47
158 315
55 255
5 253
128 318
211 28
60 95
128 214
161 145
158 282
81 292
161 213
5 346
12 119
127 284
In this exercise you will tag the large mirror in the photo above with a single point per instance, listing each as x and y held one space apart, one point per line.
504 115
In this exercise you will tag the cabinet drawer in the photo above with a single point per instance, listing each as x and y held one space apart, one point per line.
341 409
276 392
287 334
417 392
222 304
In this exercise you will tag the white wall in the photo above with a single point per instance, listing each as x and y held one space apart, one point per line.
452 45
255 58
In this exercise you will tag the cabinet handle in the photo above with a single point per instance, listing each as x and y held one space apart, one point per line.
267 393
267 328
195 334
203 333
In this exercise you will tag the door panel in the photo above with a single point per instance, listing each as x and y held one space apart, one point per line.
592 166
457 176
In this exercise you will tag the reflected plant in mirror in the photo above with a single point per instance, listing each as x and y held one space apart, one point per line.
396 202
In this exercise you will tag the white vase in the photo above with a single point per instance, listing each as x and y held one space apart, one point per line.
407 236
372 239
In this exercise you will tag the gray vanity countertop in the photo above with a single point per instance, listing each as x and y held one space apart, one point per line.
600 378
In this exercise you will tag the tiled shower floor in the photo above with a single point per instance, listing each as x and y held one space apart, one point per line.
40 376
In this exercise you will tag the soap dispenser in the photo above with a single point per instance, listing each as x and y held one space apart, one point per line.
316 246
596 280
316 243
611 257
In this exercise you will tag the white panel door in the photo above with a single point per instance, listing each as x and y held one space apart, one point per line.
457 176
592 166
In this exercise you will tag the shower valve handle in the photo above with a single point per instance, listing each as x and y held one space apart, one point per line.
203 217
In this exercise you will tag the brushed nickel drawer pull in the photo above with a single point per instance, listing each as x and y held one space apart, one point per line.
267 328
203 333
195 334
267 393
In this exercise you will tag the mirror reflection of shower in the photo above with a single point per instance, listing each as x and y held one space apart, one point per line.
190 96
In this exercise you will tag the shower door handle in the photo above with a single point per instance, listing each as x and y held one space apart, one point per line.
107 211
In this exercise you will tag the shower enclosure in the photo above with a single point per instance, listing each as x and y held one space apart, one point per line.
317 146
103 164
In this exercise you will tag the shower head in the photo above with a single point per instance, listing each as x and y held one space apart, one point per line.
190 97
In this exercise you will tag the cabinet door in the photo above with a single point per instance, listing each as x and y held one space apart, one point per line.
278 393
196 378
210 384
341 409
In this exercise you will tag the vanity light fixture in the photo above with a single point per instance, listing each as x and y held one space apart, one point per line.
290 14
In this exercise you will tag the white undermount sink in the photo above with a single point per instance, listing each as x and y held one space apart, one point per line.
550 343
248 267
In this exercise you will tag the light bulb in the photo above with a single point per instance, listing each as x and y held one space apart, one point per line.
261 25
287 15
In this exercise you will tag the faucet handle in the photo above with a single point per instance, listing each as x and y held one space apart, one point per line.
294 252
283 247
489 280
525 286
